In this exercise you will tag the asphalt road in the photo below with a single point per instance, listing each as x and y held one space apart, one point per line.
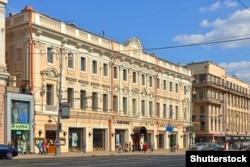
100 161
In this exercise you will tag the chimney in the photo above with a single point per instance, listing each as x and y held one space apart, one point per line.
27 8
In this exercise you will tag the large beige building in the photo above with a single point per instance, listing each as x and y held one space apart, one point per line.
3 70
221 110
117 93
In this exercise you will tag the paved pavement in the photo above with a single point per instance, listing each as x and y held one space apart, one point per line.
97 153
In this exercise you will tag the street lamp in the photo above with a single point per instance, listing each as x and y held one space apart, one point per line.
59 126
192 92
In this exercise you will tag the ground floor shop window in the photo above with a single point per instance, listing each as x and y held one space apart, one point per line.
20 140
98 139
75 139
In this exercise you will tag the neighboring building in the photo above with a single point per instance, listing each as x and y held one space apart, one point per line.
3 71
117 93
221 110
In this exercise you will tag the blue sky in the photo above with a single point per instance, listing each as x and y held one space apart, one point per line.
170 25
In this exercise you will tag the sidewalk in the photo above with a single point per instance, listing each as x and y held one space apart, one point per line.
97 153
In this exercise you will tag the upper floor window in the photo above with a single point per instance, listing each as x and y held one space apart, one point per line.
105 69
170 86
150 81
70 60
83 64
134 77
83 99
164 85
50 57
176 88
49 94
158 83
70 95
125 74
115 72
142 79
185 90
94 67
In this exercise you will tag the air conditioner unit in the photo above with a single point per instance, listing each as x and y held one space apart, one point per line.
12 81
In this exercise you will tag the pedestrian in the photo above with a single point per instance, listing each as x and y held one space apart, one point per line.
44 147
83 146
39 146
177 146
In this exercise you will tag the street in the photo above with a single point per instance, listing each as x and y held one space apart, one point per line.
100 161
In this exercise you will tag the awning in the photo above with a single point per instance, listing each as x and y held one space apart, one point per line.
140 130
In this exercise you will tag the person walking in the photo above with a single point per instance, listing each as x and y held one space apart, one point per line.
39 146
44 148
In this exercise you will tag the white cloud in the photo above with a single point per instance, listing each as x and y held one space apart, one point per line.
211 8
239 69
229 3
236 25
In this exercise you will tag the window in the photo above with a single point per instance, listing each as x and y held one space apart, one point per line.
70 95
158 109
115 72
50 58
170 87
150 81
164 85
170 111
50 95
176 112
150 109
105 69
124 105
94 101
83 64
94 67
143 107
134 108
125 74
142 79
158 83
105 102
70 60
134 77
176 88
115 104
185 90
83 99
164 111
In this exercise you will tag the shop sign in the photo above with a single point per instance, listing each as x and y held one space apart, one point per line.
122 122
20 127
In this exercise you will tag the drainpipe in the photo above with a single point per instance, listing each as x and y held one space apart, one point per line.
156 108
112 95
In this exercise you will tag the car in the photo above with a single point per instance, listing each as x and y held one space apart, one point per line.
198 146
213 147
247 149
7 152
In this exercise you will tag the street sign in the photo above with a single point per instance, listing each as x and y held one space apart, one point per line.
65 110
169 128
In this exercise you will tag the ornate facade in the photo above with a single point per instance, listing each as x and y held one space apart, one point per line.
117 93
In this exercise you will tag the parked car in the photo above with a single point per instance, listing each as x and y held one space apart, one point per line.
7 152
198 146
213 147
247 149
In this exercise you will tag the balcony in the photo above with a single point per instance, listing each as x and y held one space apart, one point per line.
207 100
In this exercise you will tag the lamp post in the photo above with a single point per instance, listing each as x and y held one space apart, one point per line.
58 146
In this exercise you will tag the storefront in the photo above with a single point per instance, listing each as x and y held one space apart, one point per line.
20 121
98 139
76 138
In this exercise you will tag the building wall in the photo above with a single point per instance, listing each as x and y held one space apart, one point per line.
91 121
221 100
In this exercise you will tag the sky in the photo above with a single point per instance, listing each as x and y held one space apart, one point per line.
179 31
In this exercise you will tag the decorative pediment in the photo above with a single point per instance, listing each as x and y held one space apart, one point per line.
49 73
135 90
125 89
